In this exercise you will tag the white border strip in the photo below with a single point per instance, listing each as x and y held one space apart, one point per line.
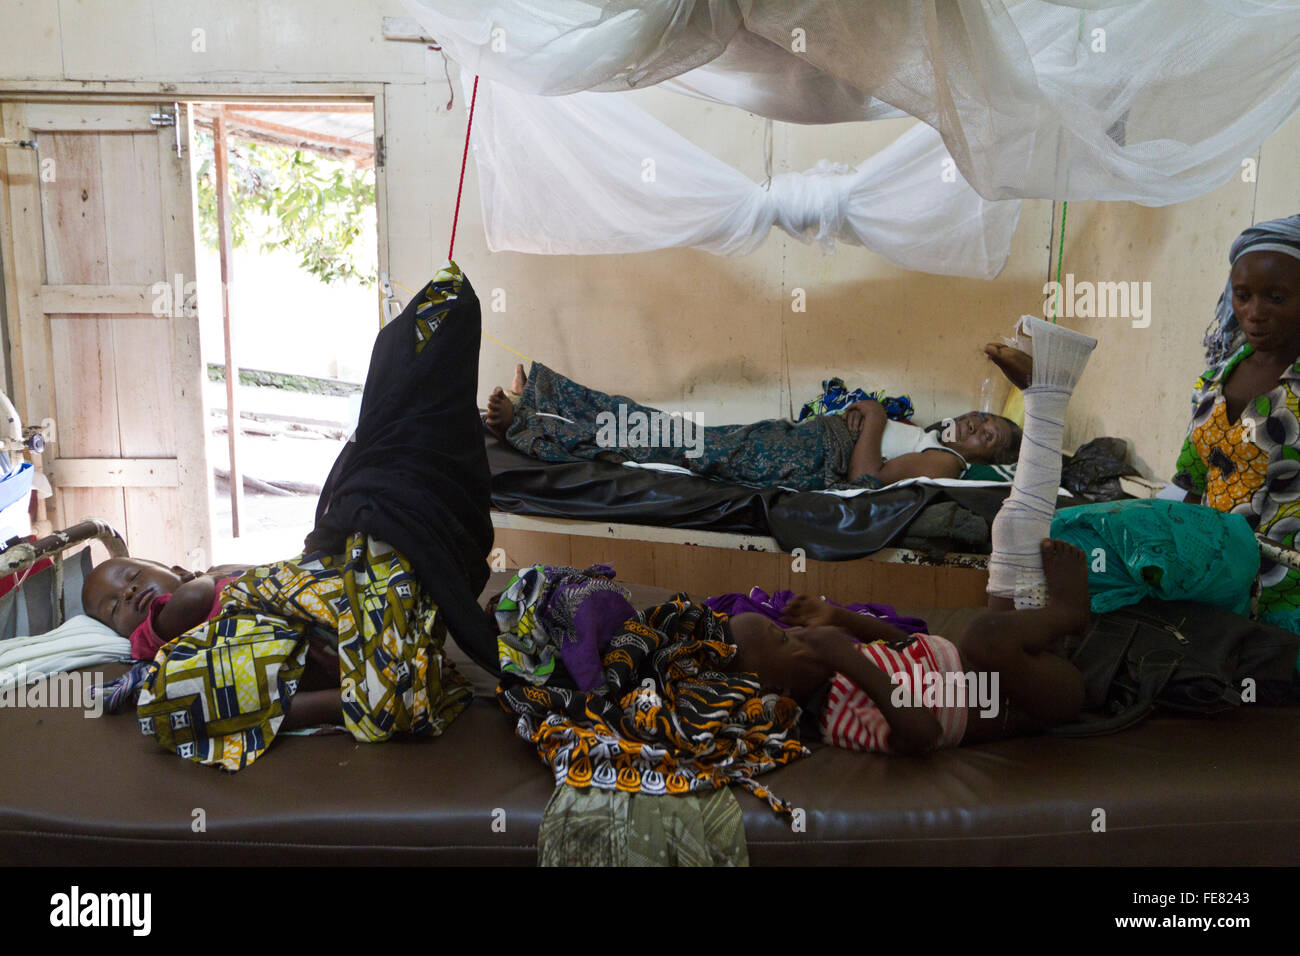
710 539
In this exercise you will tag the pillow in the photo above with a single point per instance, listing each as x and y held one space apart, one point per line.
80 641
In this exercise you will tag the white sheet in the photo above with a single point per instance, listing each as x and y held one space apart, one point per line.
80 641
853 492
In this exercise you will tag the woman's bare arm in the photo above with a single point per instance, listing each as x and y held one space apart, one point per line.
866 458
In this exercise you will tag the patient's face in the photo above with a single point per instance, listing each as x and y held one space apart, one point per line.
119 591
978 436
777 655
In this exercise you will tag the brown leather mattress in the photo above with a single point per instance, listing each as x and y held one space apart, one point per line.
1175 791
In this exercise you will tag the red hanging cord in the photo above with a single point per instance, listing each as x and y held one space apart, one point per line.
464 157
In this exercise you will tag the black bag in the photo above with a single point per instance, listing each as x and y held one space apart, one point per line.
1180 655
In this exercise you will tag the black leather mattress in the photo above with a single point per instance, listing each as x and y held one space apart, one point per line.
827 527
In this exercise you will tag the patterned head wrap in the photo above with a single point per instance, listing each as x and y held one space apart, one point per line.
1224 337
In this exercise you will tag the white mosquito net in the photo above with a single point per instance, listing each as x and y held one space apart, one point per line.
1153 101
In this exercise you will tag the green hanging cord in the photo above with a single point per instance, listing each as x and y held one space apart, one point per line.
1060 255
1060 246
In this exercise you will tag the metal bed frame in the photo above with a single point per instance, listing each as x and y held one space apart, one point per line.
23 555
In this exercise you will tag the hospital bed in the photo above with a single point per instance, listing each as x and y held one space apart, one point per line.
1181 791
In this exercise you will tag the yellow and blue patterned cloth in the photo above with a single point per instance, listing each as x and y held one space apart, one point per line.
219 692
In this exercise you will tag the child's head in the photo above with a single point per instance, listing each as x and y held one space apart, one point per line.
777 655
981 438
119 591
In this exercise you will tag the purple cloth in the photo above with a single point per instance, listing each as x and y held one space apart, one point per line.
758 601
598 617
582 611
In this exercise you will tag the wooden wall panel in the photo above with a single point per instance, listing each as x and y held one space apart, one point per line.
106 503
142 352
702 570
85 388
153 515
82 348
117 214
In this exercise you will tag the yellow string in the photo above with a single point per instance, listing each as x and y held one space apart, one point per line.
507 348
484 334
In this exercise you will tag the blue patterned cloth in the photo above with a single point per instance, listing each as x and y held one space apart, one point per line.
559 420
836 398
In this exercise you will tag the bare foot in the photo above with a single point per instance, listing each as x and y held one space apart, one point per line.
500 413
520 380
1066 570
1016 365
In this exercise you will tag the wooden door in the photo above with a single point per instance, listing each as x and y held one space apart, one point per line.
98 227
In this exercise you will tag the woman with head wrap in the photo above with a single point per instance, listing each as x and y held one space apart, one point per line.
1242 452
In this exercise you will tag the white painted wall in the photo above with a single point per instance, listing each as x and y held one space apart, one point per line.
681 327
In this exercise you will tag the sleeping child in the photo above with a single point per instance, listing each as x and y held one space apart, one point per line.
153 605
891 691
879 688
150 603
553 418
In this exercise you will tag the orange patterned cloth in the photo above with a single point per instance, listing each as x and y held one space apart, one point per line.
1250 467
669 719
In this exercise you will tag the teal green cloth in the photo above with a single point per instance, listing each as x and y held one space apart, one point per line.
1171 550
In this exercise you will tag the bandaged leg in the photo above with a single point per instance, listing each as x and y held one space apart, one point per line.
1025 519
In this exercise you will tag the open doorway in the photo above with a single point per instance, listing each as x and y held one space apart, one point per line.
287 263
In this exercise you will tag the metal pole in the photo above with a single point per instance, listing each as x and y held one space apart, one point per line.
219 162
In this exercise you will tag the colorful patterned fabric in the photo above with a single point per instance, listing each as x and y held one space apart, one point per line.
671 720
1252 468
547 611
559 420
524 649
219 692
124 691
836 398
435 301
592 827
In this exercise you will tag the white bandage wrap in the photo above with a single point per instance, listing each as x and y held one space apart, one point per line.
1025 519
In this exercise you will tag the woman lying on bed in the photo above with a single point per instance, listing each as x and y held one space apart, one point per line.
553 418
